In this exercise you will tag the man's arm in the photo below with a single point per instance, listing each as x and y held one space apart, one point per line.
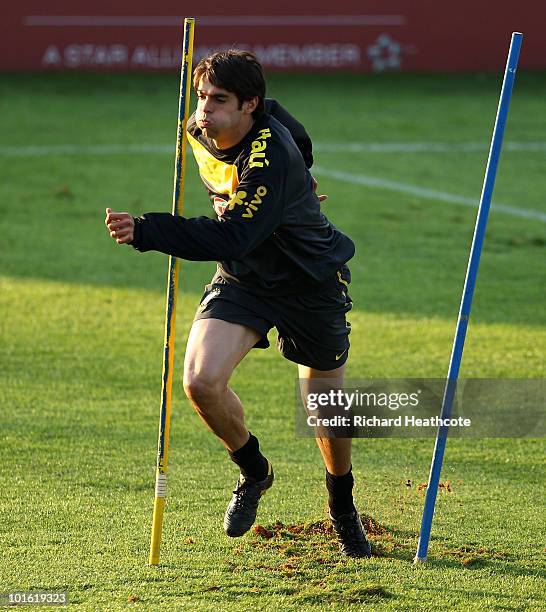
296 129
195 239
251 216
298 132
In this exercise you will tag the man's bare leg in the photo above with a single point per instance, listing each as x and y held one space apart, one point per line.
214 349
336 453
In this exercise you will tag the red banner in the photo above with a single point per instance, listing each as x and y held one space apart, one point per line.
365 36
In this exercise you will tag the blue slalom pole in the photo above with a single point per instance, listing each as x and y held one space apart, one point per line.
468 292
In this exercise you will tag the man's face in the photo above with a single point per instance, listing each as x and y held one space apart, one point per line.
218 111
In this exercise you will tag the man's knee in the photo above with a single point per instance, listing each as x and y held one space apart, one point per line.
203 388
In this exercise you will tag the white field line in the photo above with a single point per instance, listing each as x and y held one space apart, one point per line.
358 179
423 147
212 20
83 149
422 192
321 147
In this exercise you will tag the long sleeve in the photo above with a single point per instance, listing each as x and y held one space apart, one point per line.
296 129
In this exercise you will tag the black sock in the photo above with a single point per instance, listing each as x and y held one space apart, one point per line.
250 460
340 493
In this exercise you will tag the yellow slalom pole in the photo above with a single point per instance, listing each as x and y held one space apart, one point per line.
172 290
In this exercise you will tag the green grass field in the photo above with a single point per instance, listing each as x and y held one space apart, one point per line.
81 332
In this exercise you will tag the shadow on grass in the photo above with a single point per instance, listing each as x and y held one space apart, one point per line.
480 594
475 558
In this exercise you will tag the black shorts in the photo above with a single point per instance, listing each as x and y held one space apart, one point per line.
312 328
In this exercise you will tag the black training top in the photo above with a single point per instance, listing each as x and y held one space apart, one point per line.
270 235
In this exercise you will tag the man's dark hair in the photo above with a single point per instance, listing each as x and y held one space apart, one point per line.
236 71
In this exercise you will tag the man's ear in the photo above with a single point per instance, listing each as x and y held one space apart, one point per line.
249 106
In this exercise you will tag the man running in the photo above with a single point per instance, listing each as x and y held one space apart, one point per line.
281 264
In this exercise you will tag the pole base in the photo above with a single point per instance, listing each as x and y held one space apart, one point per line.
157 527
417 560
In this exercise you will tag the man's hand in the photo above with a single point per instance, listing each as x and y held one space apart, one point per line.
121 226
320 197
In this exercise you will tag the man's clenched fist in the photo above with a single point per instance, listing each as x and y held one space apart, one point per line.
121 226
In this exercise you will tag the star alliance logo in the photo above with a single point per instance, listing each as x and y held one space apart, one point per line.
385 54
